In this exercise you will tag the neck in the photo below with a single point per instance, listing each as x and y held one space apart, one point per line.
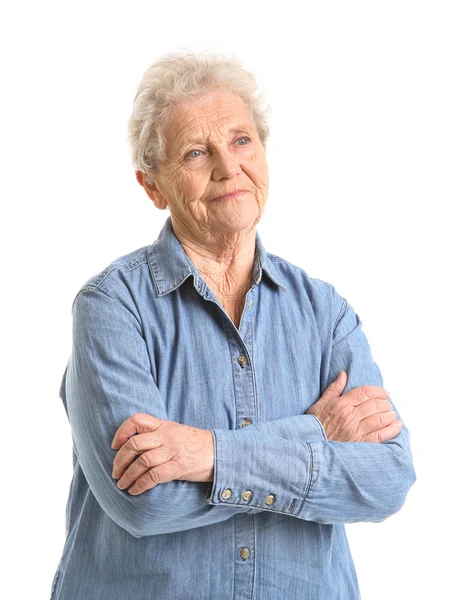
225 262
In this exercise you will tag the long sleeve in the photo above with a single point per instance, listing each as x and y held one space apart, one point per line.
318 480
107 380
358 481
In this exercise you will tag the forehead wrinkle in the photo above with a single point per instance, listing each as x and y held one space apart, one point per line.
234 128
204 122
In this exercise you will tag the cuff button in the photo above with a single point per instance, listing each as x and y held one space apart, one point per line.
227 493
270 499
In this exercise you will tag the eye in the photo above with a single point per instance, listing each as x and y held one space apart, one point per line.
192 155
246 138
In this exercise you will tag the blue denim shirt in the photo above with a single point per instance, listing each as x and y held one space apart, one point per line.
149 336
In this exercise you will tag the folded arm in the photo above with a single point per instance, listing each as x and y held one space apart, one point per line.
317 479
287 464
108 379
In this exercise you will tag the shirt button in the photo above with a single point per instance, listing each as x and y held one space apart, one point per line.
245 422
242 360
244 553
250 303
270 499
247 495
226 494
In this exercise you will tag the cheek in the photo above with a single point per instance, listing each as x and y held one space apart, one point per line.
177 186
257 170
192 183
262 171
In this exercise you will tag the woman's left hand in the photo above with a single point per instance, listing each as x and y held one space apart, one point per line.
166 451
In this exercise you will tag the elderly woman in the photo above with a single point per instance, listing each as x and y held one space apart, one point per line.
227 416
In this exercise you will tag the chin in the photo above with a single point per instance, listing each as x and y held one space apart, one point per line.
236 225
238 220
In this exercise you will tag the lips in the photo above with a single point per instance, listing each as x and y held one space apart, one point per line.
230 195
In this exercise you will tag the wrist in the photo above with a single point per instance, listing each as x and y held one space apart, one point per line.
203 467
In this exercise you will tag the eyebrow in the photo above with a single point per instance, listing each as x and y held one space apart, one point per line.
241 127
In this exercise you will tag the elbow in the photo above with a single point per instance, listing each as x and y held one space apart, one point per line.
143 518
142 523
134 526
133 514
393 493
141 528
138 532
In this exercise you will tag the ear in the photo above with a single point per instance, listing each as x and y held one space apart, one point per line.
152 191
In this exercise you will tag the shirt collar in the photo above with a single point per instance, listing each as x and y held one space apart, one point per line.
170 265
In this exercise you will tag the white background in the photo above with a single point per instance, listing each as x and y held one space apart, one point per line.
360 167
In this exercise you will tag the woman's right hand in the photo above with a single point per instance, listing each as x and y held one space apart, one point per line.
361 415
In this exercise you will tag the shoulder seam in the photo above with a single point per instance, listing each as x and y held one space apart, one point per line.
342 311
135 263
91 287
98 279
102 275
95 288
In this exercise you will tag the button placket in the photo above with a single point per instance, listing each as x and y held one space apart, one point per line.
240 345
244 553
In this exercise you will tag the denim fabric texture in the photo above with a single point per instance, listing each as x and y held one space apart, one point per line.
149 336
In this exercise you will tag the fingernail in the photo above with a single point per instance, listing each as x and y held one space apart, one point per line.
120 485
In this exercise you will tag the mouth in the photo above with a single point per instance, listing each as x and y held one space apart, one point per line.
230 195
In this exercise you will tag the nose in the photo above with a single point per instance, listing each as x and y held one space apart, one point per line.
226 166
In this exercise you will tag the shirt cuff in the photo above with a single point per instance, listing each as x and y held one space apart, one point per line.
263 472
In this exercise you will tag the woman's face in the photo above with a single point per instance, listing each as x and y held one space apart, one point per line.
212 149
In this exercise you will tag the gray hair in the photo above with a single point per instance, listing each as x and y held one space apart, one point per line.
177 77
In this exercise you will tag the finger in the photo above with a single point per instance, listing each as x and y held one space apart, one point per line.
389 432
377 422
137 423
335 389
143 464
365 392
132 448
164 473
372 407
